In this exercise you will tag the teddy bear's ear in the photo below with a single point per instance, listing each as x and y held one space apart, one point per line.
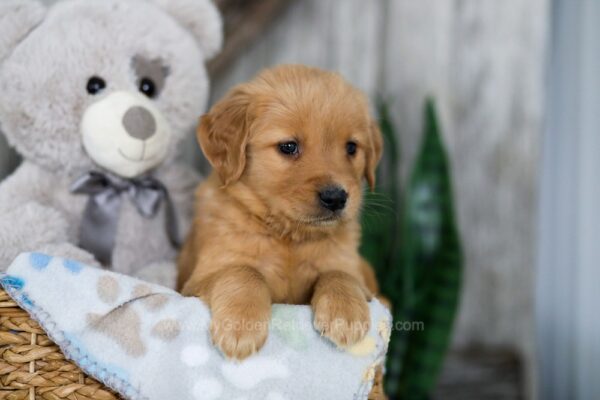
17 19
202 18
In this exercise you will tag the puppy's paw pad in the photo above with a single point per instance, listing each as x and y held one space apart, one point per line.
152 301
166 330
108 289
122 325
141 290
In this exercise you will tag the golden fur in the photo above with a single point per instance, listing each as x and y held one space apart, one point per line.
260 235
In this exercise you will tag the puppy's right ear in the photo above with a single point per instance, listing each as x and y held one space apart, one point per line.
17 19
223 135
374 153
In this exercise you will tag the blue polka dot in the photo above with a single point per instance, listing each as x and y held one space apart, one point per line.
39 261
73 266
13 282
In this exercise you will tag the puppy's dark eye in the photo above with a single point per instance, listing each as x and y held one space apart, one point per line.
95 85
351 148
148 87
289 148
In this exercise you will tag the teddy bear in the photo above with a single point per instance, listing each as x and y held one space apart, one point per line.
97 97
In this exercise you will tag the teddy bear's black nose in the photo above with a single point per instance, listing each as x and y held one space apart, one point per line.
139 123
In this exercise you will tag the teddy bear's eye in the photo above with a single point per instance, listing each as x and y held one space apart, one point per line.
148 87
95 85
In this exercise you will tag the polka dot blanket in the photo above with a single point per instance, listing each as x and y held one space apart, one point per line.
148 342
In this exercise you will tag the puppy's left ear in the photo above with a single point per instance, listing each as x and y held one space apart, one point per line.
223 135
374 152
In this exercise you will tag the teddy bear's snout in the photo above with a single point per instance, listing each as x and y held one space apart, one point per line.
139 123
125 133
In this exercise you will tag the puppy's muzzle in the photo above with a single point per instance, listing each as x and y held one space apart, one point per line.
333 198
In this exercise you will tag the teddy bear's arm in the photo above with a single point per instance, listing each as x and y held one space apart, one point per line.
161 273
28 221
34 227
28 184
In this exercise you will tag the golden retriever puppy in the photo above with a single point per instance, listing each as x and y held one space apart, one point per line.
277 221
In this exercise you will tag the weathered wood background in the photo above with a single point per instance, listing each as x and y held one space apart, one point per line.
483 60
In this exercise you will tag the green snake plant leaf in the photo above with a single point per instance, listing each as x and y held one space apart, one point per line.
432 269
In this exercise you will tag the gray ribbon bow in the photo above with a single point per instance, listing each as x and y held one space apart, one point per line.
99 224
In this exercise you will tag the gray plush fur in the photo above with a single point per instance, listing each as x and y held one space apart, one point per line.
46 59
17 19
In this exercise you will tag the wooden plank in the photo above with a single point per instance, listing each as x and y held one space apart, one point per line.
243 21
415 64
484 62
337 34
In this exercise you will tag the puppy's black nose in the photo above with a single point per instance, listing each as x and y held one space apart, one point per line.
333 198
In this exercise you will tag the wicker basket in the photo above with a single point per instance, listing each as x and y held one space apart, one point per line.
32 367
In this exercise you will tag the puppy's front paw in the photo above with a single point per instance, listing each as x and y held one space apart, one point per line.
241 332
342 319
